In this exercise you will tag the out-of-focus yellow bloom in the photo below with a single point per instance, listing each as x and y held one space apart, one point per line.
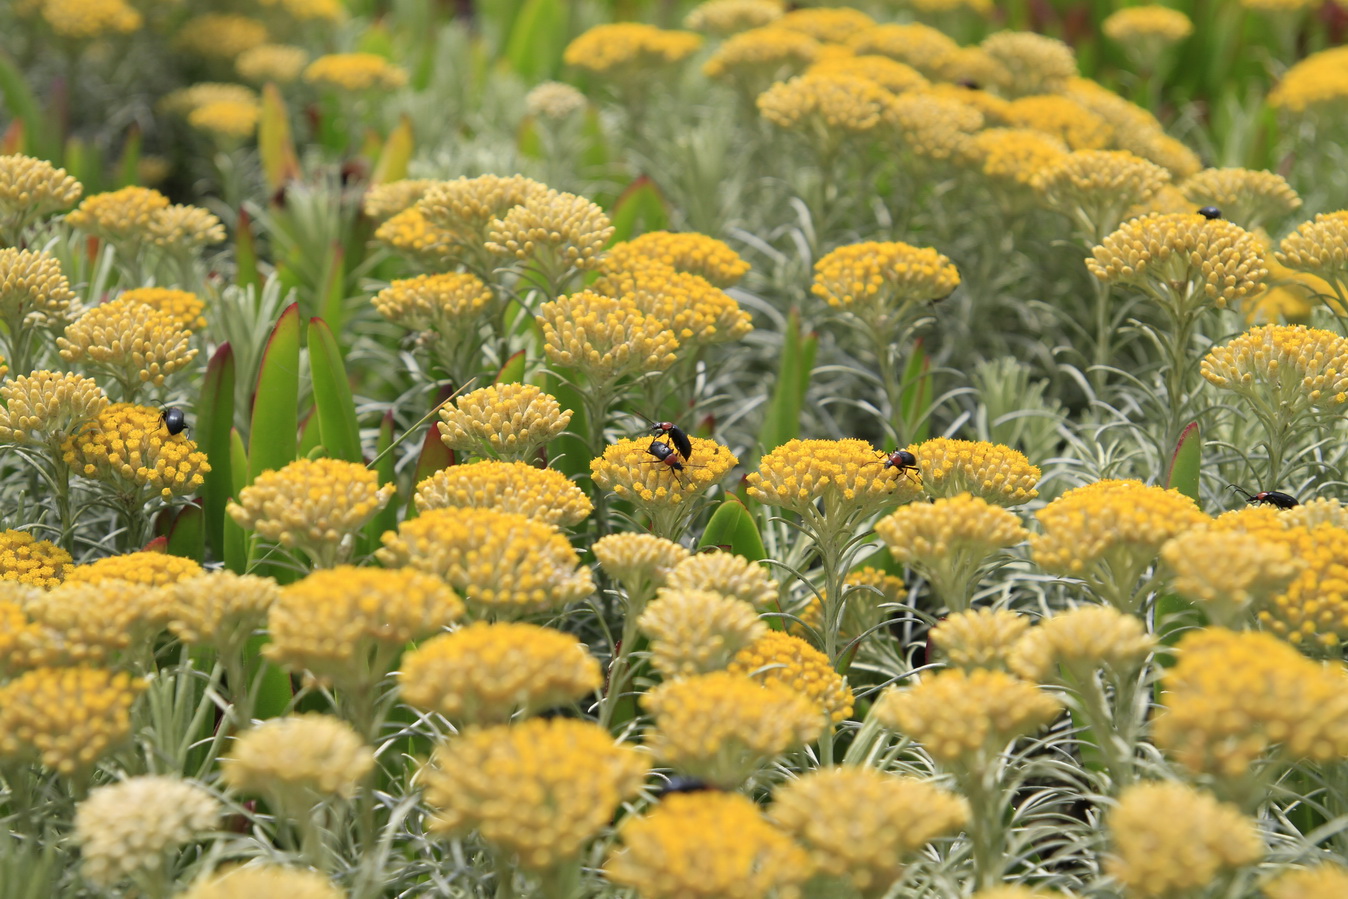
130 827
1123 115
1252 198
131 341
889 74
1151 25
554 233
979 638
1316 87
220 609
778 658
992 472
80 623
920 46
500 563
1230 575
726 17
219 35
605 338
1034 63
28 560
883 284
642 563
119 216
829 479
66 718
1318 247
933 128
1324 881
183 307
540 789
308 10
555 100
754 59
129 448
624 52
688 251
828 25
727 574
1162 149
46 408
32 188
279 63
262 880
448 303
542 493
84 20
355 72
1095 188
487 673
1062 117
695 310
697 631
33 292
185 99
1011 161
229 120
148 568
1081 641
1171 839
509 421
298 762
860 825
411 235
383 201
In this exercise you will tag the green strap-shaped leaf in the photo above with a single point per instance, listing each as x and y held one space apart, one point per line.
639 209
396 153
513 371
335 406
215 418
22 104
386 519
245 254
535 44
915 392
275 425
731 527
793 380
187 537
332 291
235 537
310 438
274 146
434 457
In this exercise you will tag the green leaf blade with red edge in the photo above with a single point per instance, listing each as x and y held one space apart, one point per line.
334 405
215 419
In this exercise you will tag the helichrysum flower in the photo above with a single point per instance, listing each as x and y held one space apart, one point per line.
1011 160
889 74
66 718
979 638
627 51
1171 839
542 493
45 408
309 11
727 17
1317 86
509 421
313 505
279 63
185 99
630 471
1312 613
151 569
697 631
486 673
694 309
828 479
992 472
411 235
779 658
347 625
1162 149
28 560
220 35
229 120
448 307
1109 532
706 844
298 761
830 25
1095 188
383 201
1035 63
182 306
1233 699
1324 881
184 229
1229 574
263 880
129 448
502 564
1080 641
914 44
467 207
83 20
1153 25
1252 198
721 727
1063 118
82 623
964 717
641 563
754 59
540 789
1319 247
933 128
605 338
355 72
31 188
826 109
554 100
131 341
119 216
554 233
131 827
860 825
219 609
883 284
1318 510
1284 370
861 607
727 574
33 291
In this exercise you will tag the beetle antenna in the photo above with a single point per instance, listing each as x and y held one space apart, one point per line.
1242 491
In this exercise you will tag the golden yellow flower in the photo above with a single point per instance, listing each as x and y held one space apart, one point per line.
220 609
279 63
410 234
696 254
121 215
66 718
658 488
555 233
727 574
1316 86
706 844
889 74
1229 574
1062 117
555 100
1011 161
642 563
83 20
347 625
383 201
229 120
32 188
754 59
1315 511
129 448
979 638
1154 144
93 623
448 302
1081 640
920 46
468 206
508 421
827 109
883 284
1171 839
1034 63
829 25
487 673
993 472
1013 891
22 641
129 340
151 569
695 310
542 493
131 827
964 717
970 72
309 10
1312 613
1283 370
848 478
1324 881
262 880
1096 188
27 560
861 825
185 99
45 408
1155 27
1318 247
1124 115
540 789
933 127
627 51
1252 198
298 761
605 338
500 563
727 17
355 72
181 306
697 631
219 35
778 658
33 292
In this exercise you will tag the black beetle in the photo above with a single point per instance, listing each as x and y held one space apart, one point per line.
1272 497
175 420
903 460
1210 212
683 784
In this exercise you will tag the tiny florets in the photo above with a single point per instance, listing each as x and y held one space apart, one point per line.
542 493
129 448
130 827
779 658
509 421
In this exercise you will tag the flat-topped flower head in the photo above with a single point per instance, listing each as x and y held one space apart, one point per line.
932 127
966 717
128 448
355 72
605 338
1230 575
297 761
862 825
1151 29
99 623
1095 188
1062 117
726 17
695 310
81 20
66 718
468 206
1034 63
992 472
1322 881
779 658
642 563
130 341
119 216
554 233
920 46
829 25
540 789
754 59
185 99
312 505
25 559
447 308
706 844
347 625
632 472
487 673
507 421
1316 88
1080 641
220 609
1236 699
1011 161
628 51
727 574
148 568
185 229
556 101
1252 198
722 727
979 638
32 188
829 479
1171 839
183 307
1285 370
1315 511
1319 247
697 631
502 564
33 291
383 201
228 121
889 74
262 880
826 108
278 63
1312 612
883 284
45 408
219 35
542 493
132 827
415 238
1168 152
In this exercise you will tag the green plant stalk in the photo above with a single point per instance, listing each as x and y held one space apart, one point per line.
505 874
1091 701
621 670
977 780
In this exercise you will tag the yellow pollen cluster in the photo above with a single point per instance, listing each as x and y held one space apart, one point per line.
502 564
1062 117
45 408
756 58
880 283
1315 86
889 74
150 569
262 880
33 291
32 187
933 127
486 673
28 560
629 50
694 309
629 470
1319 246
963 529
1234 698
132 341
280 63
697 631
128 827
1034 63
355 72
1013 159
411 235
993 472
468 206
220 35
962 716
727 17
183 307
727 574
1284 369
66 718
825 106
540 789
219 609
1312 613
553 231
120 215
605 338
511 421
920 46
83 20
1153 25
862 825
640 562
446 302
1251 198
779 658
91 624
129 447
707 844
1097 187
1171 839
227 119
721 727
348 622
1082 640
847 476
298 761
542 493
979 638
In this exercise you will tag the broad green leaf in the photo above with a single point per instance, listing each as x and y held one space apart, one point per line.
215 419
395 154
336 408
236 538
245 254
274 145
386 519
23 106
915 393
513 371
536 40
782 422
731 527
275 424
1185 462
332 295
311 438
187 537
640 208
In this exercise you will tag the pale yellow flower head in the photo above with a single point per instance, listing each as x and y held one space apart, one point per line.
1154 144
1229 575
826 108
542 493
219 35
129 448
1314 88
66 718
410 234
920 46
1062 117
86 20
279 63
1034 63
829 25
754 59
131 827
605 338
1284 370
262 880
934 128
883 284
468 206
695 310
1080 641
1154 26
553 232
992 472
45 408
1011 161
1323 881
355 72
446 302
219 609
79 623
148 568
727 574
697 631
889 74
129 340
1096 188
554 100
726 17
119 216
775 657
628 51
1252 198
298 761
829 478
227 119
640 562
32 188
33 291
507 421
383 201
1319 247
979 638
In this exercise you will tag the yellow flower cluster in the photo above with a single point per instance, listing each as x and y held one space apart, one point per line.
219 35
889 74
33 291
466 207
962 530
642 563
727 17
129 448
411 235
992 472
540 789
486 673
632 472
383 201
1312 613
183 307
1250 197
45 408
920 46
298 761
1319 247
825 106
932 127
85 20
1096 188
308 10
756 58
882 283
446 302
1062 117
1320 882
147 568
629 50
279 63
28 560
979 638
132 341
555 232
1228 574
1315 86
511 421
861 825
1284 369
184 229
262 880
355 72
1081 640
696 631
727 574
542 493
127 828
219 609
32 187
1034 63
1153 25
230 120
90 624
828 25
605 338
66 718
847 476
1012 160
694 309
779 658
500 563
119 216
